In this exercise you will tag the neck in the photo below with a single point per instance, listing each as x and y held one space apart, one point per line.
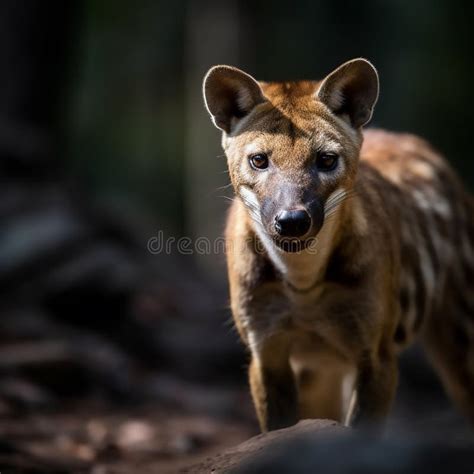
303 271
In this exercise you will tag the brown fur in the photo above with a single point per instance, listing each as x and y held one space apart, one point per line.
394 258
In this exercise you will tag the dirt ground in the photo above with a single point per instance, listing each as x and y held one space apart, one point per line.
101 439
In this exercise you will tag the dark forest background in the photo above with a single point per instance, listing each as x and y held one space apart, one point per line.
104 144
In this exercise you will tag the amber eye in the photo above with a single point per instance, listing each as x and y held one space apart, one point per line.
326 161
259 161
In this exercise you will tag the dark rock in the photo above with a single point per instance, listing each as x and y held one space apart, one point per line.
323 446
360 453
245 452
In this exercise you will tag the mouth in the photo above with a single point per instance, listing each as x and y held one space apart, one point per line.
294 245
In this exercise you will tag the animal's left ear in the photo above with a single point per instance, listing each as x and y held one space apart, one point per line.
351 91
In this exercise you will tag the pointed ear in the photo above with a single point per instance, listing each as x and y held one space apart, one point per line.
351 91
230 94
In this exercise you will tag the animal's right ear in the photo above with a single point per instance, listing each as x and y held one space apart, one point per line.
230 94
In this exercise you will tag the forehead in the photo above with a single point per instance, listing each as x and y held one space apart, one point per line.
292 119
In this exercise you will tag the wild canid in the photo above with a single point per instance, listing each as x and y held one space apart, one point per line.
344 246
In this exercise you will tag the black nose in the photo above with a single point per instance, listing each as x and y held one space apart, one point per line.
292 223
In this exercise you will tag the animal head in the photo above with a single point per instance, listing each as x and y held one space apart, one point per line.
292 147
